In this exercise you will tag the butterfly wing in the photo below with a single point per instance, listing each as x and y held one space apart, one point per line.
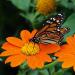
52 23
51 31
54 35
58 19
49 37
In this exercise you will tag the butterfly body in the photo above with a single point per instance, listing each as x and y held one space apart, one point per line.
51 32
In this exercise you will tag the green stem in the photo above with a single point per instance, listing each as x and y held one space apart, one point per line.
51 67
51 64
34 16
33 19
23 69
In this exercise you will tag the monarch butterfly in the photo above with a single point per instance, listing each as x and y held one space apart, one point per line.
51 32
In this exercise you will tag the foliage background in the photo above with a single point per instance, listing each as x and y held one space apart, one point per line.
11 23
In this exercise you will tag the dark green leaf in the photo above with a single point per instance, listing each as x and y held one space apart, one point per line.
66 3
52 70
33 72
70 22
60 72
73 2
43 72
21 4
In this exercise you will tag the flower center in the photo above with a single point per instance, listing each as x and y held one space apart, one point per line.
30 48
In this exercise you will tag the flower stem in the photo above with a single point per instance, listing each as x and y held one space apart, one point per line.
34 18
51 64
23 69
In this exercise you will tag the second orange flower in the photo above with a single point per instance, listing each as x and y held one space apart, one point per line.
67 53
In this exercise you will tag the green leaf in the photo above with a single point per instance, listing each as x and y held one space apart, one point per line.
43 72
73 2
52 70
66 3
21 4
24 65
60 72
32 72
68 73
70 22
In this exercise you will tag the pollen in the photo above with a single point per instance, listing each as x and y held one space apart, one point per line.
45 6
30 48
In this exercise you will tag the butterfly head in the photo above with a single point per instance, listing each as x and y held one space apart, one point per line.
35 40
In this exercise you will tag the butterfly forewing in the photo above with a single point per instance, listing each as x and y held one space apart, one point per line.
57 19
51 32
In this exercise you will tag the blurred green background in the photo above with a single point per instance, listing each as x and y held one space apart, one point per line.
10 20
11 23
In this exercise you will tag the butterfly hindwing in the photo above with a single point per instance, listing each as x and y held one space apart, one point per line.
49 37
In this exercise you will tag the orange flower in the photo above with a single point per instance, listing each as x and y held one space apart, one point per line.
67 53
21 50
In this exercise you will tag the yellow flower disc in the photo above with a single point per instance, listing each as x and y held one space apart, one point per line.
30 48
45 6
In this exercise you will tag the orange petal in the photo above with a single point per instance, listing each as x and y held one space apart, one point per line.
44 57
71 41
15 41
74 36
63 58
35 62
7 53
39 60
25 35
65 49
74 67
33 33
10 47
67 64
67 59
49 48
58 54
54 48
16 60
